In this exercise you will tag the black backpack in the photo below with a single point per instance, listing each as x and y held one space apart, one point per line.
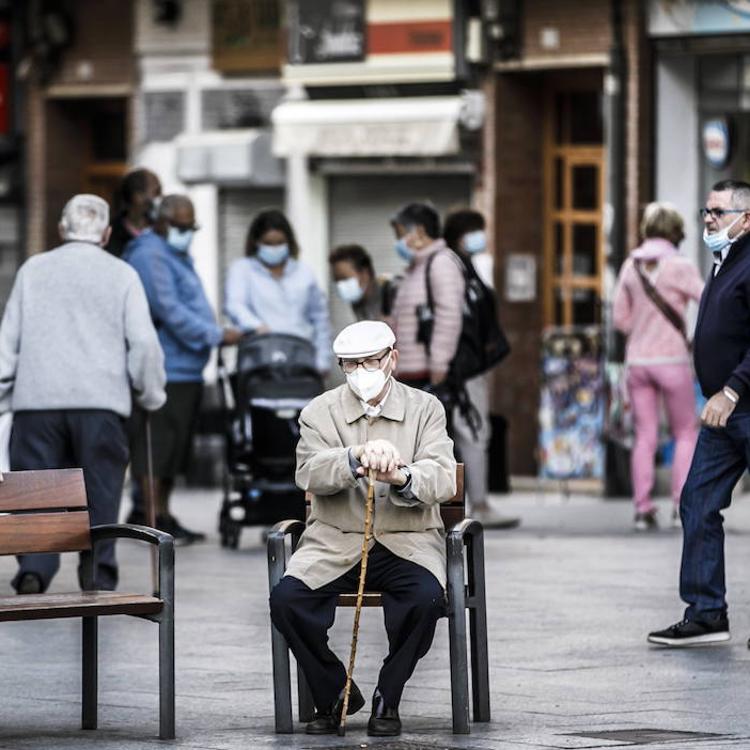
482 343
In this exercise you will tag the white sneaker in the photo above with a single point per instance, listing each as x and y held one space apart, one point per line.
646 521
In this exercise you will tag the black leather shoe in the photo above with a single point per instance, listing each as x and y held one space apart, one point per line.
327 722
30 583
384 721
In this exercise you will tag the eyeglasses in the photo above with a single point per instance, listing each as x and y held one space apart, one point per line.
370 364
717 213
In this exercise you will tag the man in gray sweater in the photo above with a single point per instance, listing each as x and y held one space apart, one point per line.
76 339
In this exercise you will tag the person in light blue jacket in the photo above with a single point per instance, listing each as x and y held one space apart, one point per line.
187 330
271 291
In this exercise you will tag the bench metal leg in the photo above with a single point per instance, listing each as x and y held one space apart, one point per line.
480 669
457 637
282 684
304 697
166 675
90 677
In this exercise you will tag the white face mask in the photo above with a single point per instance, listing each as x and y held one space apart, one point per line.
367 385
349 290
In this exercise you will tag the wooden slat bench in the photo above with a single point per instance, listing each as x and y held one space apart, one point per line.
465 591
46 511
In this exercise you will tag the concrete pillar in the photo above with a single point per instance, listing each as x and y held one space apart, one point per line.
307 209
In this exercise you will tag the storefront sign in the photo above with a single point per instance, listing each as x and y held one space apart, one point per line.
326 31
680 17
717 144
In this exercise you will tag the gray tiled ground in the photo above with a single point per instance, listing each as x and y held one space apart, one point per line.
572 594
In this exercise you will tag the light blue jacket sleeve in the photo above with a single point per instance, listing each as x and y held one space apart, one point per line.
236 292
194 331
317 314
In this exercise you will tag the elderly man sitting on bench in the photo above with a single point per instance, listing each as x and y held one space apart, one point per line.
372 421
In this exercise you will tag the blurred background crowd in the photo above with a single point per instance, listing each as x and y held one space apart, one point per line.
556 121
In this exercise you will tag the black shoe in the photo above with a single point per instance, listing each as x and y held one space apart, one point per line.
384 721
692 633
29 583
327 722
182 536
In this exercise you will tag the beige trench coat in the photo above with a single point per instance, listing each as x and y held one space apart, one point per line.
414 422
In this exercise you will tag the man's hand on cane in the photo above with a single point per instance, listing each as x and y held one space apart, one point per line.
384 458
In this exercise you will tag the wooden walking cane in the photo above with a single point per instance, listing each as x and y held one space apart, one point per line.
369 508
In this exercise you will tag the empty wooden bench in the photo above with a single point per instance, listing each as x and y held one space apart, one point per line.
465 592
46 511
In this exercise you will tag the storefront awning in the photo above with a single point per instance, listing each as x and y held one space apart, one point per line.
408 126
232 157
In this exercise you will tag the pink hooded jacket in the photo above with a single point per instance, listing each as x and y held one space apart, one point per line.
652 339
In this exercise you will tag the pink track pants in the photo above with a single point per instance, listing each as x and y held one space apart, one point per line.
674 382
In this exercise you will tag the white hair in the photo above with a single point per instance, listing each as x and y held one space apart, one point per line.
84 218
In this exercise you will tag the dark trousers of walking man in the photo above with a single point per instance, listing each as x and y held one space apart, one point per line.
721 457
95 440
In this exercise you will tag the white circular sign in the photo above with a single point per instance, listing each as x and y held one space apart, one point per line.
716 143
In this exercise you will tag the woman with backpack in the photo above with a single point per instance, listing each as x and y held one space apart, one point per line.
464 233
653 290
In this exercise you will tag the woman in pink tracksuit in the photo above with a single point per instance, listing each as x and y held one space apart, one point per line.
657 357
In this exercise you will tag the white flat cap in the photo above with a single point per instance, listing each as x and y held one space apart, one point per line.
363 339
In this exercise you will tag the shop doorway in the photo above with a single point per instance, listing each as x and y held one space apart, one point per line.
573 205
86 139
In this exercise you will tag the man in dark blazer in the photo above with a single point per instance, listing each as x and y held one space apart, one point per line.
721 351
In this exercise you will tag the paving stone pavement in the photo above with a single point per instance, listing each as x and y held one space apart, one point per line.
572 594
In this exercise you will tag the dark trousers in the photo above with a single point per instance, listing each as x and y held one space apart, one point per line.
720 458
413 601
94 440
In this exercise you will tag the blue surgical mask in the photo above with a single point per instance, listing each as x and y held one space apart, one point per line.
180 239
475 242
719 240
403 250
349 290
273 255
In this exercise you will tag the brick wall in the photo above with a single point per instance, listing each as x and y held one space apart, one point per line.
583 26
518 221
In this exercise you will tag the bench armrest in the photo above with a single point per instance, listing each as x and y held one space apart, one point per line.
164 551
130 531
466 528
277 548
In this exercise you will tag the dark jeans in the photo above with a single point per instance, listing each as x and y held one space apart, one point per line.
721 456
94 440
413 601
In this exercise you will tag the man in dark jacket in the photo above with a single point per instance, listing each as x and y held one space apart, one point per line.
721 351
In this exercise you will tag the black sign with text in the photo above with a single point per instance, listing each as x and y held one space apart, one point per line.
326 31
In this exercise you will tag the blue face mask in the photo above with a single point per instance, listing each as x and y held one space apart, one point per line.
719 240
403 250
273 255
180 239
475 242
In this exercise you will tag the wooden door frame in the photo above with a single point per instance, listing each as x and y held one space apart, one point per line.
571 155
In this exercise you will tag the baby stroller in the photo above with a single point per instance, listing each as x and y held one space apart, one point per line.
275 379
